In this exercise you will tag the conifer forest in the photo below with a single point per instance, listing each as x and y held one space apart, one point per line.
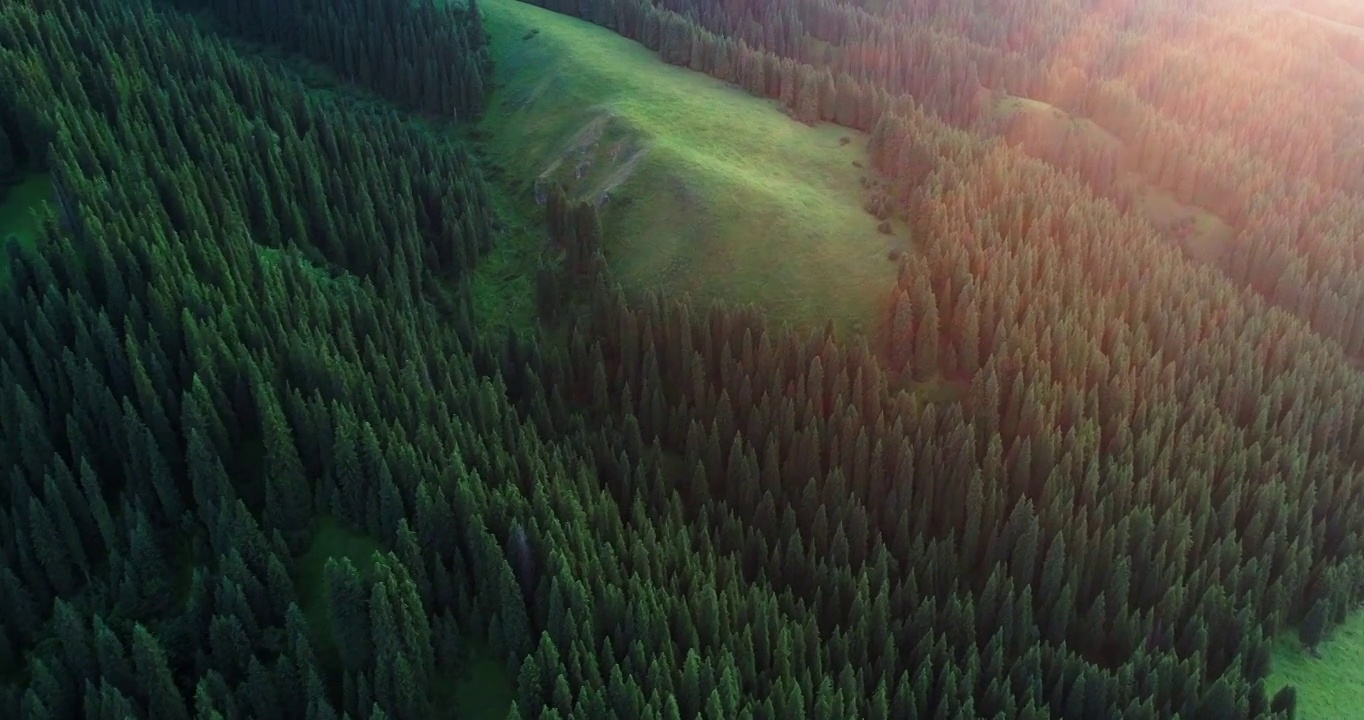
314 407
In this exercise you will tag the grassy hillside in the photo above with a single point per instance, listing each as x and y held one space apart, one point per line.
706 190
1329 686
1202 235
1056 119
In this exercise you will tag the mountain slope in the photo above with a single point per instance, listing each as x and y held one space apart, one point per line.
704 188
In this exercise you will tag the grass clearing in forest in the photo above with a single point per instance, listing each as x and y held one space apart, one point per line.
1330 686
1051 117
706 189
481 690
503 283
1202 235
331 539
1042 128
19 204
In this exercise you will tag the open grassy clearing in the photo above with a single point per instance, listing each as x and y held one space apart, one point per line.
18 212
503 285
479 689
705 189
1046 115
330 540
1202 235
1330 687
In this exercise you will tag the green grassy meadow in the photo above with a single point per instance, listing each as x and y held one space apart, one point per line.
503 285
18 206
1330 687
1201 234
709 191
482 690
330 540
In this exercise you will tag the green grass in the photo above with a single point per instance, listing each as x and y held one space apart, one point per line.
1060 121
503 284
482 690
479 690
1202 235
1330 687
713 192
18 212
330 540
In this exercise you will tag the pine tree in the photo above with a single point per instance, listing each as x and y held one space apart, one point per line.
1313 628
8 166
76 641
51 548
1285 702
530 686
926 339
288 495
347 606
901 331
808 96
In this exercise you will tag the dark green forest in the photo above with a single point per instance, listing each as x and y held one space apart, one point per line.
245 328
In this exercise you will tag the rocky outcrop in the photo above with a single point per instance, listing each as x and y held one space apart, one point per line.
602 155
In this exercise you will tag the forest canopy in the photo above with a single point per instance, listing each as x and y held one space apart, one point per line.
265 458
